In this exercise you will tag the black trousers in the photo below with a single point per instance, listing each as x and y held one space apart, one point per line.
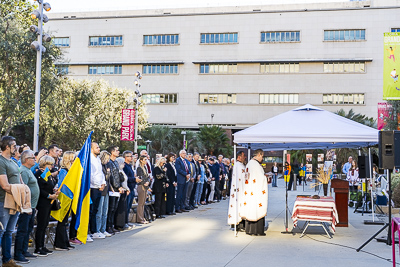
217 194
208 187
255 228
72 230
112 208
170 199
120 212
61 239
290 182
42 218
191 201
95 195
159 204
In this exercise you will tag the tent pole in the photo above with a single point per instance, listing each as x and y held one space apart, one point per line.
371 179
248 153
236 207
286 200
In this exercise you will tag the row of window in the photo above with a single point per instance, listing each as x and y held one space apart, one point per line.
337 99
329 67
222 38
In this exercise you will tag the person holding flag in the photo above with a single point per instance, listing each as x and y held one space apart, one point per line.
74 192
47 184
236 199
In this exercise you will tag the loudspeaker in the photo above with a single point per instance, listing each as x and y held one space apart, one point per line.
389 149
363 166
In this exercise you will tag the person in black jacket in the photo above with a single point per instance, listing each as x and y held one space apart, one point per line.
160 187
171 177
142 187
47 194
115 188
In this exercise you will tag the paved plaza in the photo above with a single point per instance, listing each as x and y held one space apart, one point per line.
203 238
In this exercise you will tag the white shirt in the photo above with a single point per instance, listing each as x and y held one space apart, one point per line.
96 172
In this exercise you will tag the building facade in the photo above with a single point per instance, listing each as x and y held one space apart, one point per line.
234 66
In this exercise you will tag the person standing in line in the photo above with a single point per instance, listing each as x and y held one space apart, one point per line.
101 216
171 176
207 182
142 187
347 166
97 185
130 174
302 174
183 176
275 171
200 182
192 171
353 177
26 220
160 188
120 213
216 175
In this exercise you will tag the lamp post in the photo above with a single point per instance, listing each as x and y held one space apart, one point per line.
148 142
137 102
184 139
37 45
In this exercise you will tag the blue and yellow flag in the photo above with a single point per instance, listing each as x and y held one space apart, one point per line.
45 175
75 191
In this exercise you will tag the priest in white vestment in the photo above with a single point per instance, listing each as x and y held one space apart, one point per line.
236 199
255 195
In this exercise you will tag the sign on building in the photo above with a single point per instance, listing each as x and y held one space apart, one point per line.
128 125
391 67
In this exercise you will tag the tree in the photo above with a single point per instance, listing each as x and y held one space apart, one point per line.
18 65
77 107
215 140
360 118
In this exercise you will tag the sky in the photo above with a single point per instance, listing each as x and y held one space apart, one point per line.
104 5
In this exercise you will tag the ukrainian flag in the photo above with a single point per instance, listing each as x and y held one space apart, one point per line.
45 175
75 191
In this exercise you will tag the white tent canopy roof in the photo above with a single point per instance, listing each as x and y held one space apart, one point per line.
306 127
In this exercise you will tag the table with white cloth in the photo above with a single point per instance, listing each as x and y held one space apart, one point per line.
322 210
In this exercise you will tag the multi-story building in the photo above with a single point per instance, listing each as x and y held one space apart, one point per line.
234 66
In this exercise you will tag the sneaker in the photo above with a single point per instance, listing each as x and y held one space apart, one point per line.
22 260
98 236
40 253
116 231
75 241
12 263
107 234
131 224
70 247
48 251
89 239
61 249
29 255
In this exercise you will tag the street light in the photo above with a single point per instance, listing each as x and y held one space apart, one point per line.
148 142
184 139
137 102
37 45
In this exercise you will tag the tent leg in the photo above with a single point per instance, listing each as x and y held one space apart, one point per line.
236 212
248 154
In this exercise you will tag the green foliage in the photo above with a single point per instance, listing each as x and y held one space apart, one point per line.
77 107
391 121
18 65
357 117
215 140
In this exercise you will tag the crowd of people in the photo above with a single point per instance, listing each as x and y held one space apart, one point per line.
30 182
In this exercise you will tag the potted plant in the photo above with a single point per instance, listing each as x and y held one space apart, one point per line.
323 178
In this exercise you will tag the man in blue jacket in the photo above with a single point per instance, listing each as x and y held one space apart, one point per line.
215 172
183 176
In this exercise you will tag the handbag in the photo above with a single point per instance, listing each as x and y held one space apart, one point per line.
56 205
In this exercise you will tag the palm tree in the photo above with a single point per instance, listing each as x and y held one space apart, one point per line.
159 137
357 117
215 140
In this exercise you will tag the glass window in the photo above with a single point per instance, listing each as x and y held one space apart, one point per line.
218 38
217 98
279 67
344 35
60 41
160 69
161 39
160 98
394 30
106 69
218 68
343 99
279 98
344 67
105 40
280 37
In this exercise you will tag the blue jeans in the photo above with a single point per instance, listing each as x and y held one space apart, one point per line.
95 195
129 201
180 196
199 190
8 221
25 227
101 216
274 178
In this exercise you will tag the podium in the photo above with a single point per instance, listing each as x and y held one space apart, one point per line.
341 189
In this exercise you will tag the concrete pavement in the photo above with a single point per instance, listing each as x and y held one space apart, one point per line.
203 238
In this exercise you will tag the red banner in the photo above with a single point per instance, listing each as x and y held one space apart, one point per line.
385 110
128 125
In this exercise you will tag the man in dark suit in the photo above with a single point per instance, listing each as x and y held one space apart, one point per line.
183 176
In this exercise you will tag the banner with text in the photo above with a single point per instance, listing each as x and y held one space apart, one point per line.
128 125
391 68
385 111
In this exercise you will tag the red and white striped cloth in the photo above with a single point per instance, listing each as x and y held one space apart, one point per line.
317 210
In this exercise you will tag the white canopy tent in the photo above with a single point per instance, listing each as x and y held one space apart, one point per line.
306 127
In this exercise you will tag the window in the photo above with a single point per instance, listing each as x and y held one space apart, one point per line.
219 38
343 99
62 69
161 39
217 98
160 98
344 35
105 69
279 68
344 67
218 68
279 98
105 40
395 29
160 69
280 37
61 41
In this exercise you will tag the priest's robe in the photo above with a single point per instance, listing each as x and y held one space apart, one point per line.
235 199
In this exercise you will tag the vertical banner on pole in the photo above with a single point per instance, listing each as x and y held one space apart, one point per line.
391 68
385 111
128 125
